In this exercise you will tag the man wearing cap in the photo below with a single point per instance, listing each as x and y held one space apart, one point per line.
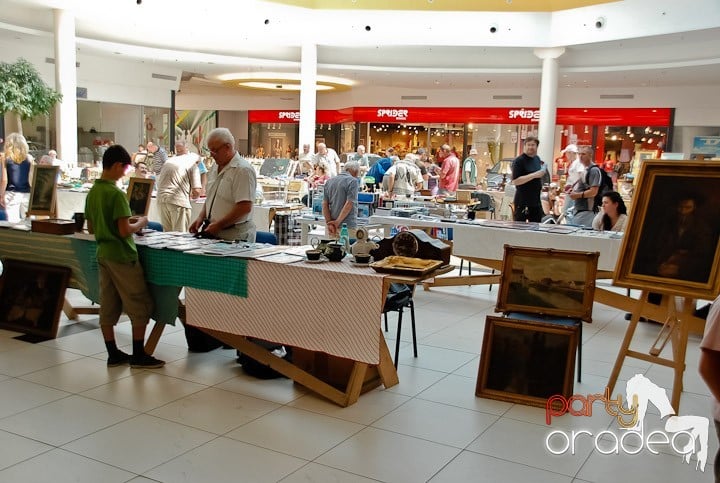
575 172
469 171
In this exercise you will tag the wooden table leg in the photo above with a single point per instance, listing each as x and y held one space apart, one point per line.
154 337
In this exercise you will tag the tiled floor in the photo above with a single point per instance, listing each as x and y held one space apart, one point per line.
64 416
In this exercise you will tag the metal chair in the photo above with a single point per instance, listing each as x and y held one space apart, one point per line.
400 296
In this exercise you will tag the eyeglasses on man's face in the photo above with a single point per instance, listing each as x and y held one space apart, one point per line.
216 149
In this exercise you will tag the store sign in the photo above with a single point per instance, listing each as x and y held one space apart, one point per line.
528 114
292 115
394 114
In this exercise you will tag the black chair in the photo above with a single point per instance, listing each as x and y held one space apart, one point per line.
400 296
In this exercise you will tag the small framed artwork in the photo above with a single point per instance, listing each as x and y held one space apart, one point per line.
32 297
548 282
672 239
139 195
526 362
43 193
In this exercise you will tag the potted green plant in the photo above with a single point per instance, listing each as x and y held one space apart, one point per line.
24 93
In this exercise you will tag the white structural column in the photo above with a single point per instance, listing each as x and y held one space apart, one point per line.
308 95
66 84
548 102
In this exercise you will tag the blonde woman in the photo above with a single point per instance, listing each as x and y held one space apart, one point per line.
16 178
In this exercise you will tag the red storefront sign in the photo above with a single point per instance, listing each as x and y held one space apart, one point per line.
478 115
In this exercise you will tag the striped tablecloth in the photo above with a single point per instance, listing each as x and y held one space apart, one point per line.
328 307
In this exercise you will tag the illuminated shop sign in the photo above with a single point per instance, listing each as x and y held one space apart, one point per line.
527 114
395 114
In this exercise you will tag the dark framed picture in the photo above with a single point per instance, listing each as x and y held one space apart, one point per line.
526 362
139 195
548 282
672 239
44 190
32 297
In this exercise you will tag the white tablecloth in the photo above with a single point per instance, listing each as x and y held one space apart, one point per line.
479 241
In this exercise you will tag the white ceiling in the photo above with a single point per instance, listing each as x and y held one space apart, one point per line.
643 43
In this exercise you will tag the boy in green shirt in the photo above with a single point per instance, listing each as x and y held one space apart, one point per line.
122 282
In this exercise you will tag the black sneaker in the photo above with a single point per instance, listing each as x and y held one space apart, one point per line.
118 359
145 361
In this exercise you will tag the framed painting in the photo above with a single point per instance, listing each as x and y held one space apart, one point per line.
672 239
548 282
526 362
139 195
32 297
43 193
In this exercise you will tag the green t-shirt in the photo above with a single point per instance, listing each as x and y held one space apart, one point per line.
105 204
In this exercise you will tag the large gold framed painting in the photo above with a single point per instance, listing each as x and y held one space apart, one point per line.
672 239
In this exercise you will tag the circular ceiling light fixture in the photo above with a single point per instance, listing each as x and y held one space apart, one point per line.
282 81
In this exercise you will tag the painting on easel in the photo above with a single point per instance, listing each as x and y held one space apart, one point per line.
672 241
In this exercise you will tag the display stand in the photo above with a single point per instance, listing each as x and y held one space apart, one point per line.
675 329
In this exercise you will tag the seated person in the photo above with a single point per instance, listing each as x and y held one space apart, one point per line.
317 179
550 200
612 215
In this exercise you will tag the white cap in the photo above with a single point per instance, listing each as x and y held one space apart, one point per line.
570 148
473 151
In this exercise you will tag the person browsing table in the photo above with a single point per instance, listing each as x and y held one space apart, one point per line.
340 199
227 212
122 280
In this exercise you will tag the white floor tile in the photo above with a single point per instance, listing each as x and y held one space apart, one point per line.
78 375
459 391
32 358
434 358
215 410
140 443
143 391
287 430
59 466
225 460
524 443
436 422
280 390
62 421
389 456
641 468
17 448
10 344
17 396
370 407
206 368
86 343
478 468
414 380
313 472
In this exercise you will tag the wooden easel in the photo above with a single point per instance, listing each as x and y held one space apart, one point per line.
675 330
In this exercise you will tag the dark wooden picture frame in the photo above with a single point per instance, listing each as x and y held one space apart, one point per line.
32 296
672 238
43 192
526 362
139 195
548 282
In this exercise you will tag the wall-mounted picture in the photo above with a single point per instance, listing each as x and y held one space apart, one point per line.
526 362
44 190
672 239
32 297
139 195
548 282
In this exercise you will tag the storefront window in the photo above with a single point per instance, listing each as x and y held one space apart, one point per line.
193 128
276 140
156 126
